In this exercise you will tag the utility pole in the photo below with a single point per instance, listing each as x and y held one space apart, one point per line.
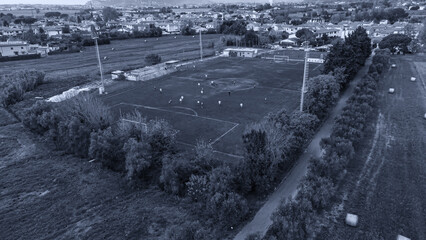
305 74
95 37
201 47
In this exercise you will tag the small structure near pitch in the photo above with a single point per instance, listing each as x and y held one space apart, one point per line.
400 237
240 52
391 90
351 219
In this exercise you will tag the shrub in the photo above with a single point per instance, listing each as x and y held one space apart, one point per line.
175 173
41 117
198 188
107 147
17 83
227 208
152 59
187 231
137 159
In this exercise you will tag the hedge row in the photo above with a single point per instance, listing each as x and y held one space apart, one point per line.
13 86
297 218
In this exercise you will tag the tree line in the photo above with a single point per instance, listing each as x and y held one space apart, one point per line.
299 218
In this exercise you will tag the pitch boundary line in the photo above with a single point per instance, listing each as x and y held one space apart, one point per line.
279 89
226 133
189 109
165 110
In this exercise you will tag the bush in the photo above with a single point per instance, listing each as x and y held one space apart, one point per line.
107 147
16 84
227 208
175 173
152 59
41 117
198 188
187 231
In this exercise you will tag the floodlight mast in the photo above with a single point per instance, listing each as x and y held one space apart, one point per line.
95 37
305 73
201 47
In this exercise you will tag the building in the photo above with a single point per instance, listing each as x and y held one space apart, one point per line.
13 48
11 31
240 52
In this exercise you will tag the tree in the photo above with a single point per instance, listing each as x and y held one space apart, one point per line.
250 39
109 14
52 14
66 29
395 14
257 161
305 34
285 35
152 59
322 92
395 42
293 220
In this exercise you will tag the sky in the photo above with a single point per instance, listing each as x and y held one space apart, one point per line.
59 2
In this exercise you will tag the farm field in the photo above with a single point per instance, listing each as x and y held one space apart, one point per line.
235 81
127 54
386 184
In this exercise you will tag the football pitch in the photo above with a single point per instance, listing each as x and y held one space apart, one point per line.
247 89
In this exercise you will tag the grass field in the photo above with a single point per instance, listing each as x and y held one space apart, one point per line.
128 54
386 184
222 125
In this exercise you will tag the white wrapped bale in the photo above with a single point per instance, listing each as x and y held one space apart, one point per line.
351 219
413 79
400 237
391 90
393 65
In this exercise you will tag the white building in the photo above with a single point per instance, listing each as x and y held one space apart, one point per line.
13 48
240 52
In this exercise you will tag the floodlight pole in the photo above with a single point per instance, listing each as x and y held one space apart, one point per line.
201 47
95 38
100 66
305 74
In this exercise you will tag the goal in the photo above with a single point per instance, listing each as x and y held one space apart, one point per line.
281 58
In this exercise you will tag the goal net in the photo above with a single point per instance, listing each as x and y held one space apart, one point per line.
281 58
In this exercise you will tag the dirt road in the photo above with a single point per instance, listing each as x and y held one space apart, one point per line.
288 187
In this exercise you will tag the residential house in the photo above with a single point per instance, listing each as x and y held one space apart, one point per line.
13 48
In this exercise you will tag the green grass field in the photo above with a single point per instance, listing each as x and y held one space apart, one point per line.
222 125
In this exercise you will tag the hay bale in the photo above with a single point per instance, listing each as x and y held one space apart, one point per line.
400 237
351 219
391 90
413 79
393 65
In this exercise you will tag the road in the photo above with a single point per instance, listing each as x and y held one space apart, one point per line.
288 186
